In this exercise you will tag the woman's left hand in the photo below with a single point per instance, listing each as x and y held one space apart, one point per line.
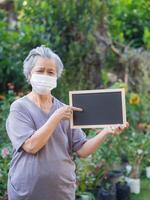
116 129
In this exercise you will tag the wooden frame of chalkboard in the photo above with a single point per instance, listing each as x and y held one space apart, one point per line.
101 107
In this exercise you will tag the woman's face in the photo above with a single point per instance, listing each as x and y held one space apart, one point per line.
45 66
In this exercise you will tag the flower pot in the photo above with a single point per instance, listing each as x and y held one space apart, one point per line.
122 191
82 197
78 197
134 185
128 169
107 194
148 172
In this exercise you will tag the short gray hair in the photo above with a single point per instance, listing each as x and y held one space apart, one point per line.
43 52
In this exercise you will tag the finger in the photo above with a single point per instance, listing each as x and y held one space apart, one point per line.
68 108
112 129
127 125
76 109
67 116
116 129
124 126
117 132
120 127
69 111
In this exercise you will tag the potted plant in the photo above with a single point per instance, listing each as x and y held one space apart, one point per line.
122 190
109 171
148 168
147 162
107 191
148 172
136 148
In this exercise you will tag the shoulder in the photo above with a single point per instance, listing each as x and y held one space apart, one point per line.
58 102
19 110
18 105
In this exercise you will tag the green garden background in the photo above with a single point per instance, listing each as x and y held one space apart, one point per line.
103 44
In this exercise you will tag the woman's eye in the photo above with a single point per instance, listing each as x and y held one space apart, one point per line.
39 71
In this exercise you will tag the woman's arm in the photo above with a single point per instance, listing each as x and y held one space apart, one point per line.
41 136
92 144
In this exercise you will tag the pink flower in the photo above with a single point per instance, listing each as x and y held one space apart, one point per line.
5 152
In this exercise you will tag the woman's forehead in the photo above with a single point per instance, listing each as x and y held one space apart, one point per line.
45 62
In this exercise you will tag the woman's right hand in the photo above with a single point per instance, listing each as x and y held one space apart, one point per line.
66 112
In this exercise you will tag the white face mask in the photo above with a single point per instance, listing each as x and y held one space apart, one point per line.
43 84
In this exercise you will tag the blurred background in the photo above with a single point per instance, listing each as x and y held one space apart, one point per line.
103 44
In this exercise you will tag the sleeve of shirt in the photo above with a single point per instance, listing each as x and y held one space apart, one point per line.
19 126
78 139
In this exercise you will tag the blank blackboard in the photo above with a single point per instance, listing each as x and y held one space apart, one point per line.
100 108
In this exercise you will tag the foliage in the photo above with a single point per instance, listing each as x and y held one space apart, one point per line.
93 169
146 37
10 55
69 28
5 147
65 27
136 143
5 156
4 109
137 149
129 21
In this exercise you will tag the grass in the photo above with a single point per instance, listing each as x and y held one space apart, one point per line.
145 191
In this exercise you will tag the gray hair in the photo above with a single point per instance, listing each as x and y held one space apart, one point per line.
43 52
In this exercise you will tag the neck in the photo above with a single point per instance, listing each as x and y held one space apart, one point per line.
41 99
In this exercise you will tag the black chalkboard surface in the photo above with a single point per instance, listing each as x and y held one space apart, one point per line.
100 108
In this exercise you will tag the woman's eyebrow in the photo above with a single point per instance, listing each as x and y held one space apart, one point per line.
51 69
39 67
42 68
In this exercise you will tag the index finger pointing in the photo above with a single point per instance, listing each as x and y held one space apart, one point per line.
76 109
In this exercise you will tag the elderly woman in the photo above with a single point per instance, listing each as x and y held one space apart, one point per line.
38 127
